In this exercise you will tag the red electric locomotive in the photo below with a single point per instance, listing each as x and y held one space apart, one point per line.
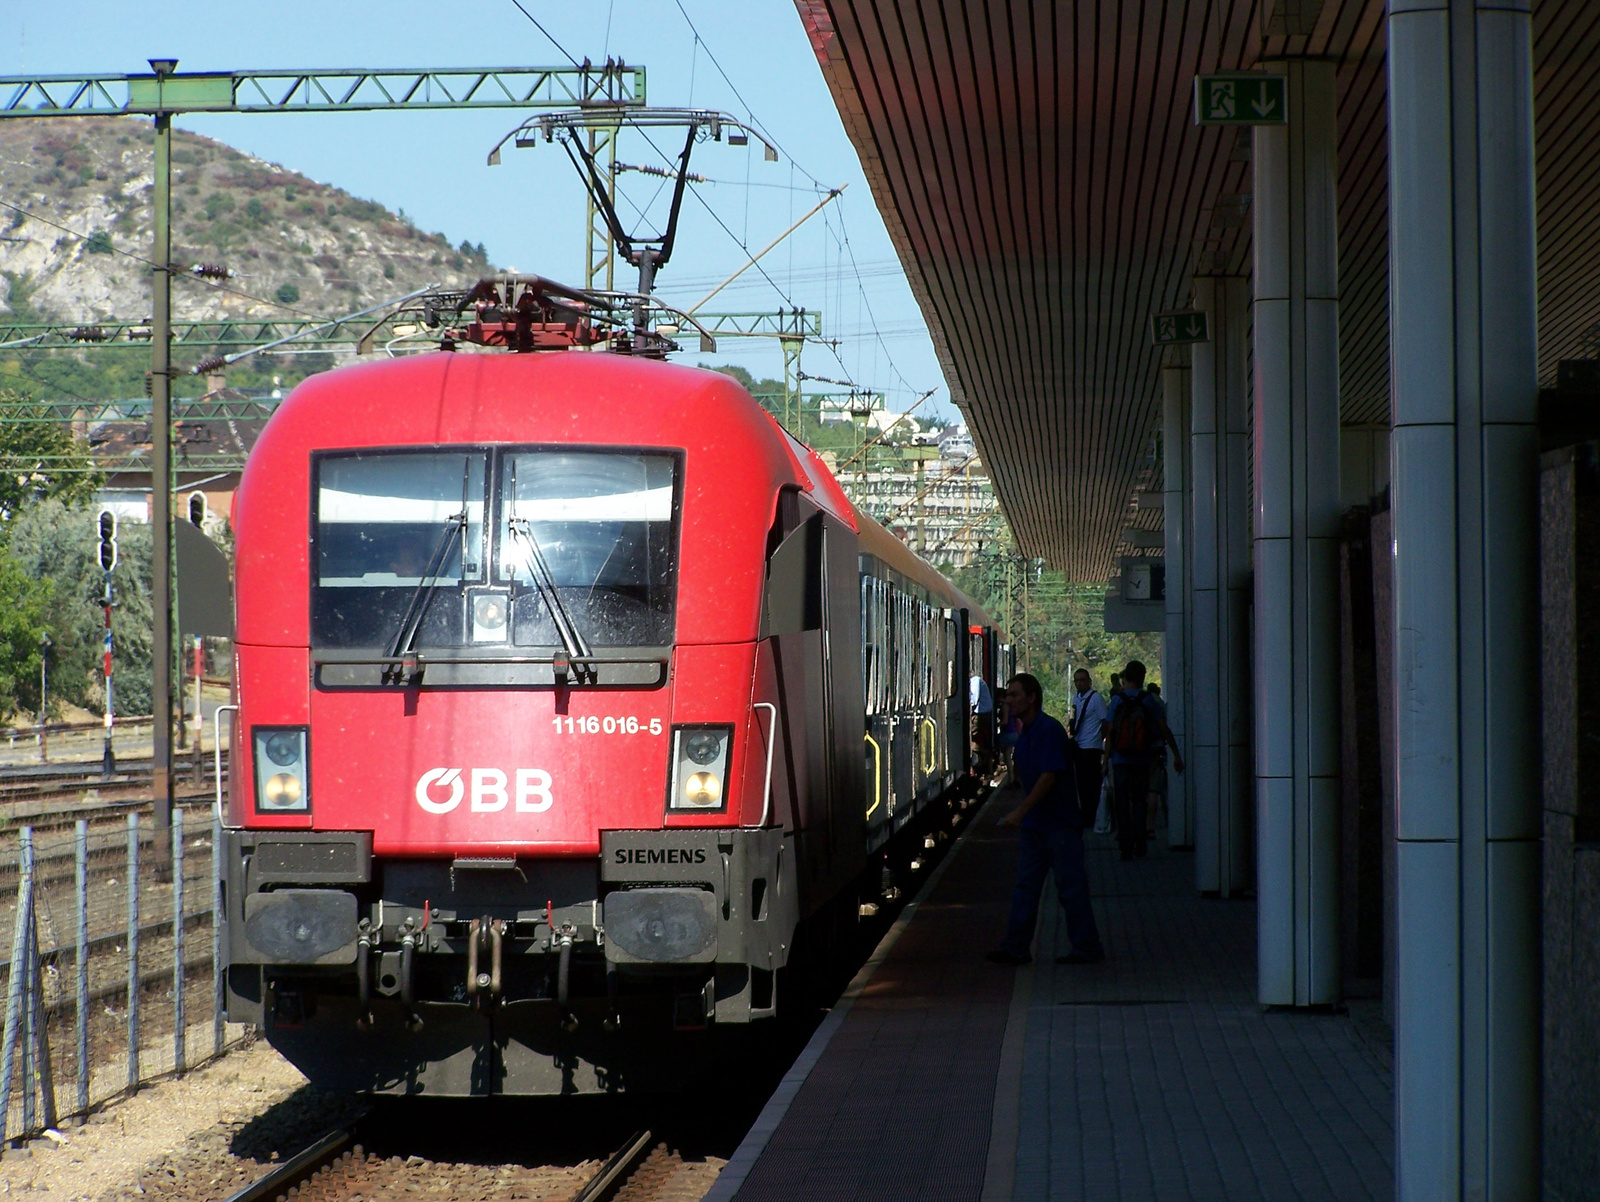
573 693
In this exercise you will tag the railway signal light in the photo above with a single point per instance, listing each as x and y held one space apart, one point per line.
197 509
108 539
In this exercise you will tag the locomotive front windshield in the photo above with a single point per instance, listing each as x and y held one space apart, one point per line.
489 549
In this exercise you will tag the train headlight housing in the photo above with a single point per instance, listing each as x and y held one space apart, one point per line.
491 613
283 769
699 768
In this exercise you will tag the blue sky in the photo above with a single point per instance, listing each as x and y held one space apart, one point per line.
529 211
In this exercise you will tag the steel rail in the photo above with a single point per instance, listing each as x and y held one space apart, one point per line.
615 1170
297 1168
337 1145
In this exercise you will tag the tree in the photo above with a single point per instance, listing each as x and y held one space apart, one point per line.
1061 625
24 604
56 545
39 457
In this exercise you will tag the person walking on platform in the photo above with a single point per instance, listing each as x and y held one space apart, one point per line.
1137 726
1049 823
1088 737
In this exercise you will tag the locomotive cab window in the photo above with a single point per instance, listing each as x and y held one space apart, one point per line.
494 550
388 525
595 530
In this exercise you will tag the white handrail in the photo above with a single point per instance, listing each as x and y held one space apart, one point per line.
216 754
772 739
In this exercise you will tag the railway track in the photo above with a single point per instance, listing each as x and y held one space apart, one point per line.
48 782
337 1168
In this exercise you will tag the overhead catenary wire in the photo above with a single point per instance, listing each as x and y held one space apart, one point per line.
748 111
756 258
548 36
766 133
884 433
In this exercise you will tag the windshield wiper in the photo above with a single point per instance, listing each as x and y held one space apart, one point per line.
411 624
544 582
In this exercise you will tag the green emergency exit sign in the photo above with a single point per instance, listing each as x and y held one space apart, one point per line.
1241 100
1170 329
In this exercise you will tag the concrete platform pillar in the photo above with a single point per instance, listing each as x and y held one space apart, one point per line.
1175 638
1219 592
1463 484
1296 486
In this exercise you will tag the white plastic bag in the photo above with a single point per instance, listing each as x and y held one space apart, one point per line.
1102 816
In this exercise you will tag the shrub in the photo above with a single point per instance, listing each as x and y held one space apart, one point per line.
56 547
287 294
99 243
217 204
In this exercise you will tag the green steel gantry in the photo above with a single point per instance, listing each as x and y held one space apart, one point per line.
233 335
336 91
164 92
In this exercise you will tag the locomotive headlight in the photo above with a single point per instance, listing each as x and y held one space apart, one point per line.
282 791
490 612
699 768
283 777
704 789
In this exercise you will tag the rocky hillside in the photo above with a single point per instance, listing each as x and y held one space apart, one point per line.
297 246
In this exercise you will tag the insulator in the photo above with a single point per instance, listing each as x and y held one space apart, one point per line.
206 366
211 271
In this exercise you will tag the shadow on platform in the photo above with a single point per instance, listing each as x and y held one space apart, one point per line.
1154 1076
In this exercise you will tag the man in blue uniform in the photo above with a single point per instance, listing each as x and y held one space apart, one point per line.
1051 834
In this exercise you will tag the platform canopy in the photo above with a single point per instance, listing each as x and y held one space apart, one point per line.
1041 174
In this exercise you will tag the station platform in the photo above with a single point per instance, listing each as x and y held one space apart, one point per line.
1154 1076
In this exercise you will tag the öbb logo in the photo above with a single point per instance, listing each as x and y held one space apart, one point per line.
489 792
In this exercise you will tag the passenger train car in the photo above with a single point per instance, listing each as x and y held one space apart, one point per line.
575 702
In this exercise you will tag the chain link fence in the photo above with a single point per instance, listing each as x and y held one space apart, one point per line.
113 974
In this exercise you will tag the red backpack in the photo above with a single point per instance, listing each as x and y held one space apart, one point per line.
1133 727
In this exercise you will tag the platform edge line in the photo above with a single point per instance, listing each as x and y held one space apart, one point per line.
735 1172
1000 1167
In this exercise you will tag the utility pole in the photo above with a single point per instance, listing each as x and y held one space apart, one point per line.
161 472
921 505
106 523
1011 626
199 713
109 758
1027 637
600 268
44 695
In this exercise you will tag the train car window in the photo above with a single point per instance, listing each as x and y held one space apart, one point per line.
881 639
869 647
382 521
601 526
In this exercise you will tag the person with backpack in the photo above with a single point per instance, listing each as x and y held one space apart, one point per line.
1137 726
